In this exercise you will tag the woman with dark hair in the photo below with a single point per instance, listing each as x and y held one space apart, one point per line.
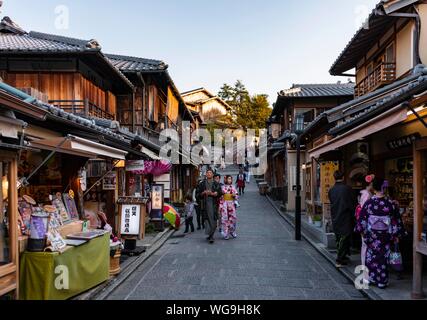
365 195
228 209
380 225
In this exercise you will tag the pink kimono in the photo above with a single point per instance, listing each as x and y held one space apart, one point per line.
228 211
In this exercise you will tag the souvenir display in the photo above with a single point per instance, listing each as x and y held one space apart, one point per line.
57 202
38 230
74 242
57 243
55 218
25 209
88 235
70 204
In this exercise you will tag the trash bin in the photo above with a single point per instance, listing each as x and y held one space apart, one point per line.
263 188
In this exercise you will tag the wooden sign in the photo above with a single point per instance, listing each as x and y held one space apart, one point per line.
327 180
132 211
130 219
157 196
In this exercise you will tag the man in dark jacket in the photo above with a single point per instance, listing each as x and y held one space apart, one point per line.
343 205
208 192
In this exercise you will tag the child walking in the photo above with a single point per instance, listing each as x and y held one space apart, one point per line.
189 213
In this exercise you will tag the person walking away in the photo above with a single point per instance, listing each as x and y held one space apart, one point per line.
343 205
189 211
247 172
199 219
365 195
228 209
381 226
241 182
208 193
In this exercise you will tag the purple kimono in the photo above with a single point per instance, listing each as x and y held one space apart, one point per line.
381 225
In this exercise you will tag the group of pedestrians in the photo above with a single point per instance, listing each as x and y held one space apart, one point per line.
375 216
215 205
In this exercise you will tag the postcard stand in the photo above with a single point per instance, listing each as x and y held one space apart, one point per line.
132 211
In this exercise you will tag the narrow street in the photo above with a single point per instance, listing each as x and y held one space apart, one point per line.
264 262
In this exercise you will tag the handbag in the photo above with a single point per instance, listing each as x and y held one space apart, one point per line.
395 260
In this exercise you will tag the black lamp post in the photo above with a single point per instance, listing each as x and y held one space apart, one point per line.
299 129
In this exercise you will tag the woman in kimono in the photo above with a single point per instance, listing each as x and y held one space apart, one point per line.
228 209
365 195
380 225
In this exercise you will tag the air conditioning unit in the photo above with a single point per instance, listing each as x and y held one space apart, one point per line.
36 94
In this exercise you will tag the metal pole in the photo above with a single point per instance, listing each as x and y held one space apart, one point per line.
298 192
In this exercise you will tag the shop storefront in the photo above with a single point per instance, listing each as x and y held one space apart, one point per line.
390 145
61 182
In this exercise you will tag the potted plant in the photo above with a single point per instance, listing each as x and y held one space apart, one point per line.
317 219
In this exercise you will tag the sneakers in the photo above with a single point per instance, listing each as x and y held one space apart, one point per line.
234 235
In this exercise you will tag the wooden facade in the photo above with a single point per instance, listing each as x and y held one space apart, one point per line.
68 90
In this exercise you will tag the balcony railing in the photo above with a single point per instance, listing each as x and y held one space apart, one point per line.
82 108
383 74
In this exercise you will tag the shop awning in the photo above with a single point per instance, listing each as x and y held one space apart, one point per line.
79 146
381 122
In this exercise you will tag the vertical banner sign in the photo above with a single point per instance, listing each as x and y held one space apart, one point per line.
327 181
131 215
157 201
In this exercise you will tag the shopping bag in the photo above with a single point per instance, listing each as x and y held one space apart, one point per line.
395 259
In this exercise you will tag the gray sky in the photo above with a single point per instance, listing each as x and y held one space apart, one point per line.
268 44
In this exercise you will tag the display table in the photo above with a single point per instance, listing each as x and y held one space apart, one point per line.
41 272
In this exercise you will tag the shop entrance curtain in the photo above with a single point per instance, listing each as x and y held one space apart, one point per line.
54 276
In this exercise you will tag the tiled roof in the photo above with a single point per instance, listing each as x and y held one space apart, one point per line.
27 43
134 64
318 90
42 42
369 110
376 25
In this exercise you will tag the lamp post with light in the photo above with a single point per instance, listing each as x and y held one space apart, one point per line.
298 130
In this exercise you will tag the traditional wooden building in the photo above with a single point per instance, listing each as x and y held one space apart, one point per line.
157 105
383 131
209 106
310 100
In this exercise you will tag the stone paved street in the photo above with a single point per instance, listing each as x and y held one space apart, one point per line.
264 262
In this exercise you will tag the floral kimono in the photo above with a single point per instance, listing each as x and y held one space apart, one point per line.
380 224
228 211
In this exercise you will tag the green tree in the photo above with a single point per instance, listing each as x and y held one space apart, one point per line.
247 111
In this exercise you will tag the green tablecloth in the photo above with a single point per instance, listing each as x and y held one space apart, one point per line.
42 273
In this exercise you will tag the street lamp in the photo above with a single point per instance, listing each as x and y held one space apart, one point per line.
298 130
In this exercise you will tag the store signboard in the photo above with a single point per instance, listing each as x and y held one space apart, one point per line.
136 166
165 181
157 202
157 197
109 181
130 219
327 180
